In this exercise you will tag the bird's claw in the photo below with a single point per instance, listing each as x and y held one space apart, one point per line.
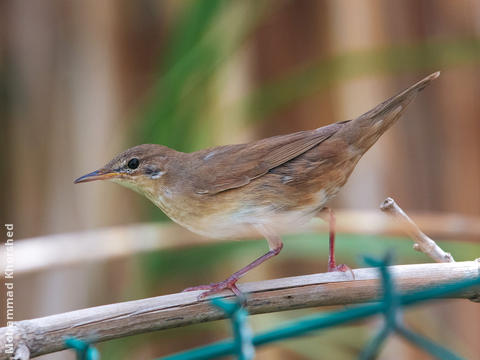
341 268
214 288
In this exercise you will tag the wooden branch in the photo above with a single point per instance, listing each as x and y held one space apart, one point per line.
48 252
47 334
422 242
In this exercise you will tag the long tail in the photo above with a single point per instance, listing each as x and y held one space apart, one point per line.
365 130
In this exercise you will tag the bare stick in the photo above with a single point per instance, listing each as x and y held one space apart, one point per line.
47 334
422 242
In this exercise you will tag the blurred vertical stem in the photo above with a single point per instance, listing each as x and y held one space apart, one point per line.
166 119
201 42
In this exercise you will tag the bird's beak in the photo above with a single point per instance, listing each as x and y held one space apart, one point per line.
97 175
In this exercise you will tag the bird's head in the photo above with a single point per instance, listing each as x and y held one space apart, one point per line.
140 168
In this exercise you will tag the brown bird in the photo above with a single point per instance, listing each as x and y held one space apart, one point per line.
264 187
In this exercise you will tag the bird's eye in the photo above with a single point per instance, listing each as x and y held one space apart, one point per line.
133 163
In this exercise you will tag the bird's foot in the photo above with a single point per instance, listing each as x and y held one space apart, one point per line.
214 288
342 268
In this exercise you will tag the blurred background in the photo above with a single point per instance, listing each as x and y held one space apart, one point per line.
81 81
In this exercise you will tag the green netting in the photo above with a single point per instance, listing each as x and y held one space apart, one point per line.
84 350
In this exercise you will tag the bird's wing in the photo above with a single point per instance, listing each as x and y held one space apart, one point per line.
233 166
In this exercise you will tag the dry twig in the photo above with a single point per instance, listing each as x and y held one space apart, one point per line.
422 242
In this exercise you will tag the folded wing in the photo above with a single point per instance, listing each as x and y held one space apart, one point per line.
232 166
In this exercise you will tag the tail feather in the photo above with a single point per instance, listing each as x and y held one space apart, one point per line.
365 130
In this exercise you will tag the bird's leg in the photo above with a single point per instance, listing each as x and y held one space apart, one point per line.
275 245
332 265
332 221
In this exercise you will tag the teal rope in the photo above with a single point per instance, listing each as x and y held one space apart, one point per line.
243 335
422 342
394 320
84 350
390 310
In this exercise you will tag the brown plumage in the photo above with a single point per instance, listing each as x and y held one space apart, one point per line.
263 187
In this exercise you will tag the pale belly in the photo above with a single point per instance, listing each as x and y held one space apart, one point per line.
250 221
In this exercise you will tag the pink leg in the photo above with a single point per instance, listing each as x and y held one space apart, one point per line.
230 282
332 265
